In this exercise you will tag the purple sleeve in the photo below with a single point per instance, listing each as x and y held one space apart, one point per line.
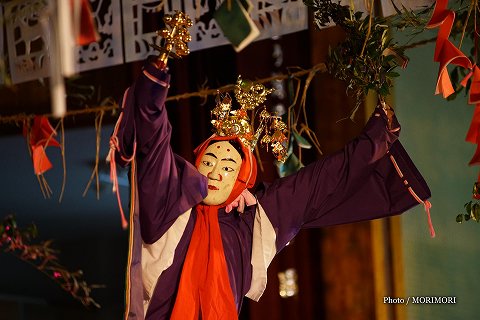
351 185
167 184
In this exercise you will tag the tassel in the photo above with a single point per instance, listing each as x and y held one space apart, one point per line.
426 204
114 147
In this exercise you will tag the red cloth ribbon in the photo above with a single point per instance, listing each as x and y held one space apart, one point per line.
86 32
41 136
204 291
474 93
446 52
473 135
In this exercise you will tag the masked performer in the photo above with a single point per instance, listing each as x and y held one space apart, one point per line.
189 257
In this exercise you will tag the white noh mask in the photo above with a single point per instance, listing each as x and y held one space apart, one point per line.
220 163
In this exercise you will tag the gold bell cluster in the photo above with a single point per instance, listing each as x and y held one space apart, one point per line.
228 122
175 36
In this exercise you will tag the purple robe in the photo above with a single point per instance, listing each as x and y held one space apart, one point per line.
356 183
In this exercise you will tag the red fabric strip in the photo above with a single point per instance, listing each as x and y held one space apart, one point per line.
204 291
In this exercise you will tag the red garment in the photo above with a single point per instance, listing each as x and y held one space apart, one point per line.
204 283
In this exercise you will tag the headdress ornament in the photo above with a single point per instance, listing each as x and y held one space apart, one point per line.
228 122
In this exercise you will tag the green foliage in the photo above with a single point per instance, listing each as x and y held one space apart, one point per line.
414 21
472 209
326 12
472 212
372 70
366 59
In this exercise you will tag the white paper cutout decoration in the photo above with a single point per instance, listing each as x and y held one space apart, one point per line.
277 17
27 43
273 18
108 50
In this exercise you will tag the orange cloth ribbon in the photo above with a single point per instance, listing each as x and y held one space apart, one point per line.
41 136
446 52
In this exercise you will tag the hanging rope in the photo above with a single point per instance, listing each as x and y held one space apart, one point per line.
204 93
98 130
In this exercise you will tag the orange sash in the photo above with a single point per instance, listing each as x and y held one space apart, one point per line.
205 291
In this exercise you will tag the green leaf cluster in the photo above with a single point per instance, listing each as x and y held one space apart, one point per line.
326 12
372 70
362 59
472 210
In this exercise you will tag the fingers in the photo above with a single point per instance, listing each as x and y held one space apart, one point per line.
243 200
389 112
241 205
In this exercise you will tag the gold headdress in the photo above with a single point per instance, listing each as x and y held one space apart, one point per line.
227 122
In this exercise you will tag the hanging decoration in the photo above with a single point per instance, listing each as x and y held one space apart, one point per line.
29 49
30 45
271 17
27 43
447 53
20 243
233 17
40 135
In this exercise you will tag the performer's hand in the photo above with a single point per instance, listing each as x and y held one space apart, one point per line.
159 64
245 198
389 112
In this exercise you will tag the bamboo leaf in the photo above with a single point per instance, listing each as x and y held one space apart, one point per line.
459 218
301 141
475 215
393 74
468 207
